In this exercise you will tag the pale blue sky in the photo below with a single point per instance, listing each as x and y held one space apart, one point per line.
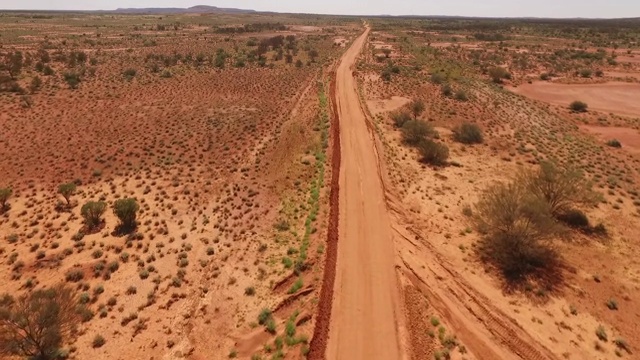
500 8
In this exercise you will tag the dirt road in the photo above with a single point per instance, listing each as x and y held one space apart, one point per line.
379 252
366 296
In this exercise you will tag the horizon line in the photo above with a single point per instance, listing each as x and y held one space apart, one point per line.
142 11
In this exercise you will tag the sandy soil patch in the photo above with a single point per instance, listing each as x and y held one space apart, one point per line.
305 28
630 138
384 105
340 42
628 59
614 97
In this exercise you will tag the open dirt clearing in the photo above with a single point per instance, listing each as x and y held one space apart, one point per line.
615 97
629 138
365 305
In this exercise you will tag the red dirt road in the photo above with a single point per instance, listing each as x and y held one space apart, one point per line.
366 303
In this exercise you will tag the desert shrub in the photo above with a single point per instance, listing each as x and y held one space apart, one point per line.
129 73
72 79
414 131
126 210
5 194
599 73
400 118
12 62
447 90
166 74
614 143
497 74
98 341
468 133
264 316
66 190
417 108
461 96
578 106
545 76
385 75
574 218
432 152
74 275
585 73
35 84
517 227
92 213
37 324
438 78
561 188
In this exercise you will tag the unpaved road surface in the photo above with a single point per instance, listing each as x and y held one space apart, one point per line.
366 296
380 252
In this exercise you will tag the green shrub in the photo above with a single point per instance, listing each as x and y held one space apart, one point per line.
574 218
433 153
468 133
461 96
400 118
72 79
66 190
579 106
126 210
129 73
417 108
517 228
414 131
98 341
497 74
74 275
614 143
585 73
438 78
92 213
5 194
447 90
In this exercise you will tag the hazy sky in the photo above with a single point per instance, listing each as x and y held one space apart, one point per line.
539 8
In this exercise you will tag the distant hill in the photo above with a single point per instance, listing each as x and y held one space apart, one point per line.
199 9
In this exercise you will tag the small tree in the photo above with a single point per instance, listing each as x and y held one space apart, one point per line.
12 63
561 188
517 229
92 213
414 131
433 153
5 194
126 210
468 133
66 190
417 108
35 84
400 118
579 106
36 325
